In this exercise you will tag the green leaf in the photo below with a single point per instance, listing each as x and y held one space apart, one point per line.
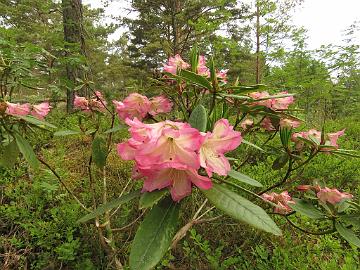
148 199
347 234
244 178
110 205
198 118
306 208
195 79
114 129
353 219
8 154
241 209
99 152
27 151
154 235
252 145
37 122
285 135
67 132
236 96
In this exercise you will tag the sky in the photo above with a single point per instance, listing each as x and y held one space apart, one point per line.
325 20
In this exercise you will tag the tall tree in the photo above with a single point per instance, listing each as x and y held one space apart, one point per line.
272 26
166 27
75 46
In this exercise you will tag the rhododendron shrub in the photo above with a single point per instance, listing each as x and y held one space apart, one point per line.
16 121
191 141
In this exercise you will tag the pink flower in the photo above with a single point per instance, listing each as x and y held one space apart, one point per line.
314 135
332 196
222 74
202 69
160 104
17 109
179 181
223 139
175 63
246 123
272 103
166 155
41 110
284 122
261 95
135 105
81 103
281 200
174 147
267 124
97 102
282 103
333 137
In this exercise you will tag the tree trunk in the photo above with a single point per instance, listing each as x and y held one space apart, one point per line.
176 8
75 46
257 43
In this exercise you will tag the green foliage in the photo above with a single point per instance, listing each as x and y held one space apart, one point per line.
241 209
198 118
154 235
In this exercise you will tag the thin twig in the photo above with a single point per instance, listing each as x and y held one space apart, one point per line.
63 184
130 224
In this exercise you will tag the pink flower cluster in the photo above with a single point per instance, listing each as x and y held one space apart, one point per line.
136 105
281 200
264 99
327 195
96 103
169 154
174 64
332 196
313 134
39 111
177 63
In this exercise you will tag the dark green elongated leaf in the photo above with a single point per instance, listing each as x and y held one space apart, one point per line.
110 205
67 132
236 96
285 135
37 122
306 208
244 178
275 96
347 234
154 235
241 209
195 79
148 199
343 153
99 152
114 129
246 89
280 162
198 118
9 154
252 145
353 219
27 151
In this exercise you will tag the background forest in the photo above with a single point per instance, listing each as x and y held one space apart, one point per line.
51 49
